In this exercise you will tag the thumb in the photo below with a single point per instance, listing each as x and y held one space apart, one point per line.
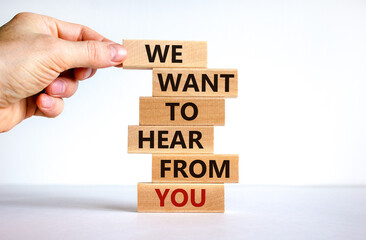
92 54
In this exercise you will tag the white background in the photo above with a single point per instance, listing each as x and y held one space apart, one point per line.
299 119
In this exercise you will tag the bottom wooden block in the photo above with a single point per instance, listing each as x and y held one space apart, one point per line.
180 197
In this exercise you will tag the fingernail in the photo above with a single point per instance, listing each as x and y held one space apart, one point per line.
87 73
58 87
47 101
118 52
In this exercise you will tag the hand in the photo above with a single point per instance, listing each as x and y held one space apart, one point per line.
41 61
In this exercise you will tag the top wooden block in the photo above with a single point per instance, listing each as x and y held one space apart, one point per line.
148 54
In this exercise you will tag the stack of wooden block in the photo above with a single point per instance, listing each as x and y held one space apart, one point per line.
177 124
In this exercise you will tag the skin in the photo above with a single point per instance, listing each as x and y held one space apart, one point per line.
42 60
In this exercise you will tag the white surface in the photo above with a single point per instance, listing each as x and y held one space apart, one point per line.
257 213
299 119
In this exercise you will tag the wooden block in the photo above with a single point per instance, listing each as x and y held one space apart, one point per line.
182 111
195 168
175 82
165 197
147 54
170 139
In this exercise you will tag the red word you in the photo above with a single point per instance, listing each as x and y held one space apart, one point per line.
173 197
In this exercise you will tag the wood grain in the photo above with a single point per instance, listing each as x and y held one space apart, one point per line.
173 139
178 197
181 82
140 54
208 168
182 111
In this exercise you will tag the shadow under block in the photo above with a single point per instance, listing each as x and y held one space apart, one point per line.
175 82
170 139
147 54
182 111
207 168
180 197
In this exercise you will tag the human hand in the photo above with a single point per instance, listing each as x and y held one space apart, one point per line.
42 53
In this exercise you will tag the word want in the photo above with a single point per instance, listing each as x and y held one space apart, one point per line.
190 82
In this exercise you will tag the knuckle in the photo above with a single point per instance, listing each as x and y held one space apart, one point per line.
92 51
23 15
20 15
